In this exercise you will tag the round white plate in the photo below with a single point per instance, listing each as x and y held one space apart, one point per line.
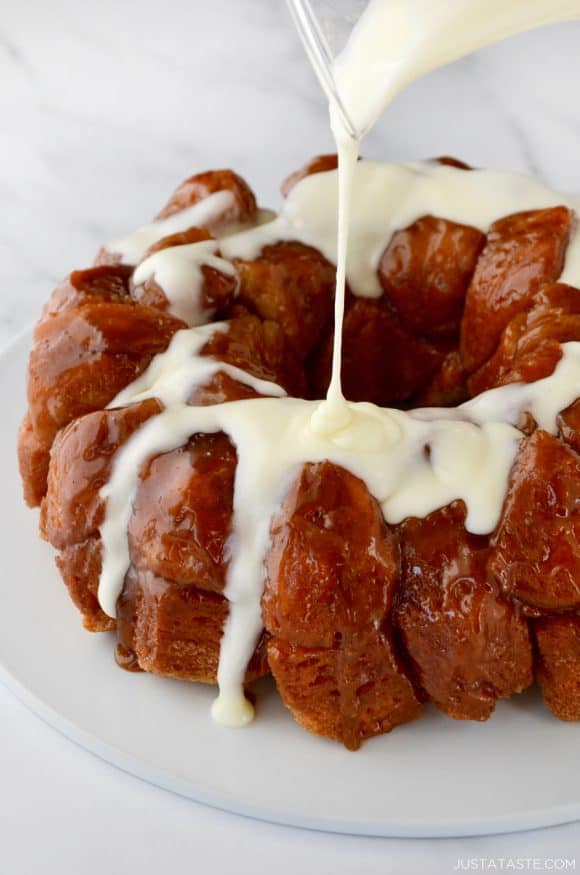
435 777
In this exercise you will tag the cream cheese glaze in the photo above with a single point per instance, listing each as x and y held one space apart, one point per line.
133 248
178 272
396 41
412 462
387 197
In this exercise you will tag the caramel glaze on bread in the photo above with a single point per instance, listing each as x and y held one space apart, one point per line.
364 621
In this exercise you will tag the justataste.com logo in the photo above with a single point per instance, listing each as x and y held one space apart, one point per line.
515 864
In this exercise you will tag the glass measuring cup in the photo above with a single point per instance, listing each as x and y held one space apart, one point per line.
324 27
401 41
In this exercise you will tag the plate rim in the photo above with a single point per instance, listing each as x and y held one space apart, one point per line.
533 819
471 827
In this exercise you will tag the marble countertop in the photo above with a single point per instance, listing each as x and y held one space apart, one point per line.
104 108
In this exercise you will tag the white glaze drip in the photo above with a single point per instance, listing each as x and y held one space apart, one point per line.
174 374
395 197
396 41
178 273
472 448
333 414
385 199
388 197
171 377
133 248
471 451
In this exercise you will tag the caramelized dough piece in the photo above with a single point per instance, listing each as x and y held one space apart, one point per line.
243 209
83 453
293 285
33 462
171 612
569 426
80 567
84 356
81 463
348 694
530 346
182 238
469 646
523 252
175 631
331 573
220 389
447 387
425 271
94 284
332 566
200 186
218 290
181 517
536 554
381 361
558 664
261 349
105 283
319 164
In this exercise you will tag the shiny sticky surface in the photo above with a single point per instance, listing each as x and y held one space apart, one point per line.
125 719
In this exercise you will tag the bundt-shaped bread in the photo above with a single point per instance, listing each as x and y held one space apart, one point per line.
364 621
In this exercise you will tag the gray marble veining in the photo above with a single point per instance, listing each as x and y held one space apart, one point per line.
104 108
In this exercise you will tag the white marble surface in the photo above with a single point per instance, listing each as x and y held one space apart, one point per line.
103 109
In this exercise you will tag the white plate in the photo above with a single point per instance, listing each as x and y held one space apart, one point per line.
435 777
